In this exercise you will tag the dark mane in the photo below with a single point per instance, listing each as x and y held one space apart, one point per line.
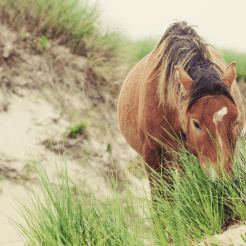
185 48
207 82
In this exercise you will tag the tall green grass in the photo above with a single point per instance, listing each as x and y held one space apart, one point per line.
195 208
70 20
66 217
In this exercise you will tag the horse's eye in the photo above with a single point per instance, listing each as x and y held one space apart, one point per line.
196 125
236 124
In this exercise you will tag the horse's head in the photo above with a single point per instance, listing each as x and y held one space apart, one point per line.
212 126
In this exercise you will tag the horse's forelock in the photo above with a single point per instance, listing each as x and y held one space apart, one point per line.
208 82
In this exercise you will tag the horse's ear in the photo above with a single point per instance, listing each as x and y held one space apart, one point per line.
230 74
184 78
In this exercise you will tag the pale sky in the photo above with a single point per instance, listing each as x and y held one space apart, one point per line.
221 22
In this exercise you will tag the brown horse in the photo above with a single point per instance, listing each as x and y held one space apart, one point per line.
182 89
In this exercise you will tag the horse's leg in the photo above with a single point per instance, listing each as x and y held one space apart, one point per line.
157 161
154 165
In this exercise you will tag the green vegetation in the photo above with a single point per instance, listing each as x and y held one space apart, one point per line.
2 177
140 49
197 207
240 58
244 237
75 131
109 148
43 43
66 217
69 20
194 209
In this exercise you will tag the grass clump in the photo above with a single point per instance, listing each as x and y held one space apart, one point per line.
70 20
67 217
109 148
75 131
195 206
43 43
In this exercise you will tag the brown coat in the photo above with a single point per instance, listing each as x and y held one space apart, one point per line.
140 113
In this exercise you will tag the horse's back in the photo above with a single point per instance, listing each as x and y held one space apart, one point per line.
128 104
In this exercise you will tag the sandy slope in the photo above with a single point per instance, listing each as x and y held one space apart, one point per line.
25 129
41 95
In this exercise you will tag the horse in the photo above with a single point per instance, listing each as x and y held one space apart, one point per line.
182 90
